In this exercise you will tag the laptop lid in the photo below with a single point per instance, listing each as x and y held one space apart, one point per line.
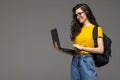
55 37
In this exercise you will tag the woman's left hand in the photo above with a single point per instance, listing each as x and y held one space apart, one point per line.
77 46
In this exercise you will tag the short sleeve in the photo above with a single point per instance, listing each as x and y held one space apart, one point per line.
100 32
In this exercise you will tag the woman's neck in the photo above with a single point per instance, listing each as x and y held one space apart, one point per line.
87 23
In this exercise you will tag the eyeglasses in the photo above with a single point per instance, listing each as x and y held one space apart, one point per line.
79 14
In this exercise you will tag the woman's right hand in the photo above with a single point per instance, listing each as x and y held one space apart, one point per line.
56 47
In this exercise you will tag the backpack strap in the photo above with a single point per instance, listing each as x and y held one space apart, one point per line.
95 34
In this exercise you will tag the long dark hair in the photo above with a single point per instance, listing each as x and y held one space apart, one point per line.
75 24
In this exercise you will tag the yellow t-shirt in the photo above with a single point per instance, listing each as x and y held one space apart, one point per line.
85 38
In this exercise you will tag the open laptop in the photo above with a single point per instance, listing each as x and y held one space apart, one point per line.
55 38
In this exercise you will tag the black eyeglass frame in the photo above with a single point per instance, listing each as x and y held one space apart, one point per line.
78 14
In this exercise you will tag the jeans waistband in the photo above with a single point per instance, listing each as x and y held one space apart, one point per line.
81 55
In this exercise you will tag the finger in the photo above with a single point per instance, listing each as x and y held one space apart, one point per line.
56 45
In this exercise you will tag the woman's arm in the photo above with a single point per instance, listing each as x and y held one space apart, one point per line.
99 49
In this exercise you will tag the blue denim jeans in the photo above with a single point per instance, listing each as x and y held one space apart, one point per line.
83 67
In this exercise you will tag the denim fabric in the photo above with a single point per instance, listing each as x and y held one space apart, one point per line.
83 67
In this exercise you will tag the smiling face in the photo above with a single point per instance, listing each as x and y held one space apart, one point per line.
80 15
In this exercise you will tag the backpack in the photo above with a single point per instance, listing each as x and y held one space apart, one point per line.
102 59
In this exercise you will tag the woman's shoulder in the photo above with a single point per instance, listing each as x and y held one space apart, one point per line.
99 26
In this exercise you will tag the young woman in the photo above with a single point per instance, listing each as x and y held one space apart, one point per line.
82 66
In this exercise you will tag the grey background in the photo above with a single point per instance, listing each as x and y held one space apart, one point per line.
26 49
